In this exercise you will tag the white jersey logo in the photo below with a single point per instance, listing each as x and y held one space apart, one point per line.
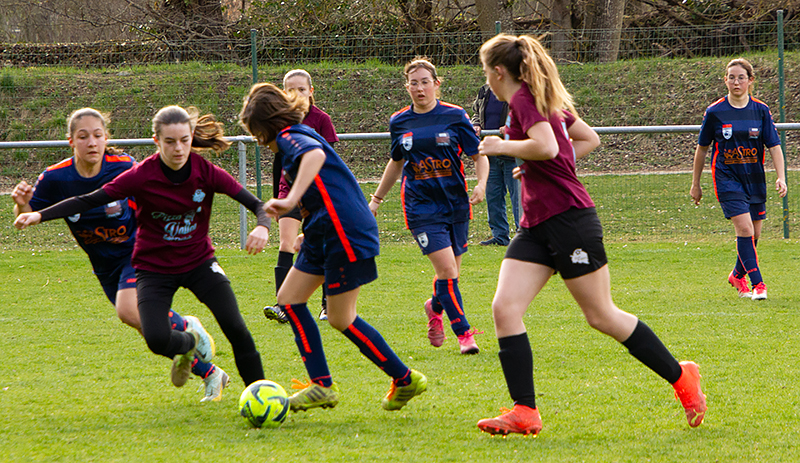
407 141
579 256
727 131
422 239
74 218
198 196
216 268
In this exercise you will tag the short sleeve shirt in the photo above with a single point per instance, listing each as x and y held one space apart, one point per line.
737 137
434 188
548 187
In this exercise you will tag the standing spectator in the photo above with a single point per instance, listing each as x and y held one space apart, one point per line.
740 126
489 113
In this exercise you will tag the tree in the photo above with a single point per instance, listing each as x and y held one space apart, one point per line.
605 17
491 11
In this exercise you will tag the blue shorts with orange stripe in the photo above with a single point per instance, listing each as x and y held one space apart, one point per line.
733 208
341 275
438 236
122 276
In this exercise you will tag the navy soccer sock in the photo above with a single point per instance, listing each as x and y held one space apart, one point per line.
516 360
648 349
282 267
450 297
746 249
309 343
374 347
201 369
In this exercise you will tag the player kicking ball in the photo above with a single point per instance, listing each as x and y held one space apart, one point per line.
338 249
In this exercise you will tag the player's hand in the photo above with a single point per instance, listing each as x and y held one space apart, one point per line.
477 130
257 240
278 207
518 172
22 194
780 187
373 207
477 196
27 219
490 146
697 193
298 242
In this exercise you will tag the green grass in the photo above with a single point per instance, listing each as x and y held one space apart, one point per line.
80 386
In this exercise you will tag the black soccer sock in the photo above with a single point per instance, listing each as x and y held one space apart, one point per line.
285 261
648 349
517 362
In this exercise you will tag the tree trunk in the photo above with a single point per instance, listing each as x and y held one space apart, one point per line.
491 11
605 18
561 20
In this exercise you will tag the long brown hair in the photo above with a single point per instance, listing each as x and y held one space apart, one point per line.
104 119
527 60
267 110
208 133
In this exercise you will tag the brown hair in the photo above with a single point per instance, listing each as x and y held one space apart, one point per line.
208 133
301 73
267 110
425 63
79 114
527 60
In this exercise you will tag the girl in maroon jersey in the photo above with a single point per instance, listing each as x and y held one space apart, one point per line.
560 232
174 190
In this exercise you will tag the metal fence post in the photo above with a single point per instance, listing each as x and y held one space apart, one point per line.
254 64
243 180
782 106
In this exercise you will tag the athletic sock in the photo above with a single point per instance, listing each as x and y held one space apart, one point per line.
176 321
309 343
516 360
450 297
746 249
202 369
285 262
648 349
374 347
436 306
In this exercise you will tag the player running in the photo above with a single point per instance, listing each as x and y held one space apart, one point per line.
740 126
338 248
560 232
174 191
105 233
428 138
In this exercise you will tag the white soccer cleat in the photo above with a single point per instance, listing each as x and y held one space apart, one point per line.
215 383
205 347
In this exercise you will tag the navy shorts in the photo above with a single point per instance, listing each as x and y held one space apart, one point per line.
738 207
121 277
340 275
571 243
438 236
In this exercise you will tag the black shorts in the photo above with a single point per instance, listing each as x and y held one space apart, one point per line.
293 214
571 243
162 286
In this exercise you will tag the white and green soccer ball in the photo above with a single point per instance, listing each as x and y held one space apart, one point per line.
264 403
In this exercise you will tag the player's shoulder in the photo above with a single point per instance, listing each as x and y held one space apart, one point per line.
404 111
759 104
450 107
718 105
63 164
121 158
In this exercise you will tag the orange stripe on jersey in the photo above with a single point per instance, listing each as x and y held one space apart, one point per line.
337 223
714 169
451 290
450 105
132 204
377 353
60 165
717 102
300 331
401 110
403 202
118 158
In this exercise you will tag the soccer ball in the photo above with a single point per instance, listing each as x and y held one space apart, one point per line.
264 403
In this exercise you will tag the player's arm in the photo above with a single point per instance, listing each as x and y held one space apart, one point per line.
311 163
258 238
21 195
541 144
390 176
584 139
65 208
776 153
482 171
697 169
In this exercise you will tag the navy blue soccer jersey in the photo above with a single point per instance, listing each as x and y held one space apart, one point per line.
105 233
737 137
434 189
334 205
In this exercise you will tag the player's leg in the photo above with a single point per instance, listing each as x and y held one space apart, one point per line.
288 228
517 285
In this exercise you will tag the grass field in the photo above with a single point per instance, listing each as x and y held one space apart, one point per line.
77 385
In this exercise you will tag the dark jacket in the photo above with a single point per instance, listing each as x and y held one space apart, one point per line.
479 108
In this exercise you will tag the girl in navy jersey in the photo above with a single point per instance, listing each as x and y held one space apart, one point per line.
289 224
739 126
174 190
106 233
338 249
560 232
428 138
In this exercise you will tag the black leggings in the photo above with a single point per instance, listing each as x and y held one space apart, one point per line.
208 282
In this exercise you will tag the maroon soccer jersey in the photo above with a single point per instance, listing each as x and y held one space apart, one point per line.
320 121
548 187
173 218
